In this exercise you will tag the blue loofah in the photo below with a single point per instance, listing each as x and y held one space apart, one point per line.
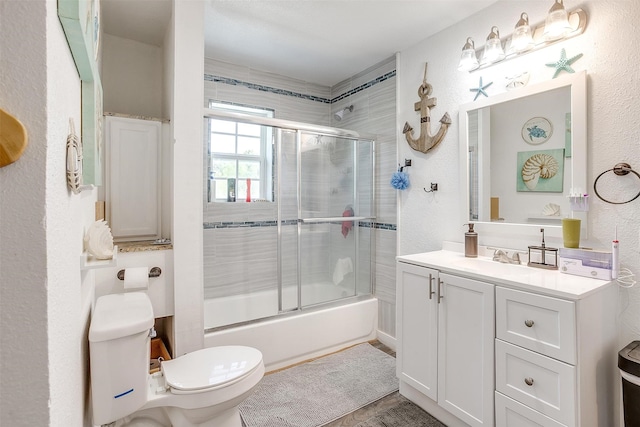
400 180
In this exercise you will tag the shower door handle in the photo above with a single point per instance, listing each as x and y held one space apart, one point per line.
431 291
338 219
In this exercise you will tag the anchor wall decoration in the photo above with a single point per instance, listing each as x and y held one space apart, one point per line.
426 141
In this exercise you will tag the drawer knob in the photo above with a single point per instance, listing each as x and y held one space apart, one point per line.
529 323
528 381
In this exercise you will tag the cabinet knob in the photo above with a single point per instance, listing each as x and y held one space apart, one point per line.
529 323
528 381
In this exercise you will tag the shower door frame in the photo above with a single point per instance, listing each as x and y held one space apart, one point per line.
279 126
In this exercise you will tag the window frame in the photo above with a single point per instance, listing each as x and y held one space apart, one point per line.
265 157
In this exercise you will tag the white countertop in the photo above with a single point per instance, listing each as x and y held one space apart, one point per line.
548 282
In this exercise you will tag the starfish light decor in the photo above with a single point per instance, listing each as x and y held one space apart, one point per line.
480 89
564 63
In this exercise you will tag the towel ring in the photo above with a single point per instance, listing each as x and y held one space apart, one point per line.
620 169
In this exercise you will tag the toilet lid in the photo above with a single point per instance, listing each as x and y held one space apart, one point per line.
210 367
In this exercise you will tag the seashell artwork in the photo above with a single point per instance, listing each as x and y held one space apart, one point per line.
551 209
98 240
538 166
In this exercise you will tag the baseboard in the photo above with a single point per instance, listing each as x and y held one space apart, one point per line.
387 340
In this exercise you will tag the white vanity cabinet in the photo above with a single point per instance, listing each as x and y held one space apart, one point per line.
535 347
445 331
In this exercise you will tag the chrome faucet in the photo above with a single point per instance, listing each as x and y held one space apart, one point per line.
500 256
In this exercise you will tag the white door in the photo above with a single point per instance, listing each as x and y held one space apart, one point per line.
133 182
417 320
465 349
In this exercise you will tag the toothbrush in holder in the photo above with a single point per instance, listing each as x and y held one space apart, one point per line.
615 260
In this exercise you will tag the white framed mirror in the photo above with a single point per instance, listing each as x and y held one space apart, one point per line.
523 156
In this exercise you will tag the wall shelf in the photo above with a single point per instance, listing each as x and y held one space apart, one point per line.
87 262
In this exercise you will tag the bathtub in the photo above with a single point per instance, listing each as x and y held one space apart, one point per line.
291 338
259 305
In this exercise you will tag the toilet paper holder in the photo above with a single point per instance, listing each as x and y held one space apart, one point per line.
154 272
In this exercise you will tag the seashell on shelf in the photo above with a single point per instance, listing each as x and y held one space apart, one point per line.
551 209
98 240
538 166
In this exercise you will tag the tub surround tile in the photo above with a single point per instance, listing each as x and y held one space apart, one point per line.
382 99
239 260
265 88
382 68
239 212
365 86
271 83
226 69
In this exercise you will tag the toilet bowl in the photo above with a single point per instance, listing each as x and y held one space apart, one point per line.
202 388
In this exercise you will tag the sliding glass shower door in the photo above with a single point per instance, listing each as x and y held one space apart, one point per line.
335 217
305 239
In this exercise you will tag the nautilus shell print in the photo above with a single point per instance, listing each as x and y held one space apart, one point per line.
538 166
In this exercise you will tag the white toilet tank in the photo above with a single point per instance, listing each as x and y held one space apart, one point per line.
119 348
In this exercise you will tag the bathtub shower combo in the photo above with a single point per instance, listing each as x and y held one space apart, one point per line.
288 236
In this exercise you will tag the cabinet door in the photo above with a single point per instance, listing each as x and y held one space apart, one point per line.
465 349
133 182
417 318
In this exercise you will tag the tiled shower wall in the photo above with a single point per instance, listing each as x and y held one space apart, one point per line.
373 95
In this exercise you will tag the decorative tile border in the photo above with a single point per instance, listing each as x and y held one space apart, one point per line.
262 88
380 226
244 224
364 86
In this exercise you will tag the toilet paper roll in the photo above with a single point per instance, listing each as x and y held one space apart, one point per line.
136 278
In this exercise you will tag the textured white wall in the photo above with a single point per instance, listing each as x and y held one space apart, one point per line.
43 309
23 257
611 59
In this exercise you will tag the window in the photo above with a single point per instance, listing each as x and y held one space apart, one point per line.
240 156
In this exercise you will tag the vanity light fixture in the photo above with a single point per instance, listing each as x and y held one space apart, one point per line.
556 26
468 59
493 51
525 38
522 40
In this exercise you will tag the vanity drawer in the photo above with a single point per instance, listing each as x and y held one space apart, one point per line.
540 323
510 413
544 384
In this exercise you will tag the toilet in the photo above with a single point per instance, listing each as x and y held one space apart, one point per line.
202 388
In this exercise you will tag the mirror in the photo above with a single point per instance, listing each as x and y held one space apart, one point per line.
523 156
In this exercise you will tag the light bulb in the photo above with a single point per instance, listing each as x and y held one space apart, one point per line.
556 25
493 51
468 59
522 40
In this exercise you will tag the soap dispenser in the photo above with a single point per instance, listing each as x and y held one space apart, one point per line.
471 242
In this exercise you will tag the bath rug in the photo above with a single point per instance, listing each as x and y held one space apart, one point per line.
402 415
318 392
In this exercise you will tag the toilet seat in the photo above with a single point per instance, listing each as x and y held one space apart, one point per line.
210 368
